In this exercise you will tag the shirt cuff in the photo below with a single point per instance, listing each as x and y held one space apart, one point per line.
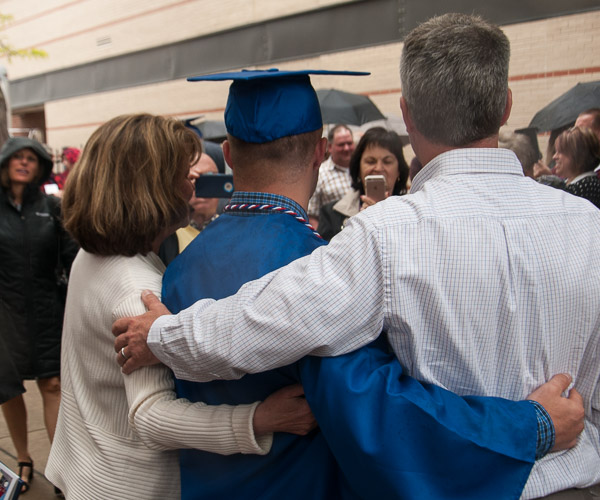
154 336
243 429
545 430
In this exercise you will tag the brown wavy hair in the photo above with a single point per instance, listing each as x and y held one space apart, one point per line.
582 145
125 188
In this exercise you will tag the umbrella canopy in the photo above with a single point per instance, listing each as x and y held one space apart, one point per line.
212 130
565 109
343 107
391 122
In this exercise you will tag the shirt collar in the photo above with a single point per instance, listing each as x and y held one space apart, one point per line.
334 166
246 197
583 176
468 161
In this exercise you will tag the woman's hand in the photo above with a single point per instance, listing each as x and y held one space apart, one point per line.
286 410
366 202
540 168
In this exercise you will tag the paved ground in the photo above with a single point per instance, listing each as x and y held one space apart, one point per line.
39 446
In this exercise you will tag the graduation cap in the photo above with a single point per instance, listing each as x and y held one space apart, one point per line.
265 105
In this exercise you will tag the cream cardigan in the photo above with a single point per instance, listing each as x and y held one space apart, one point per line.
114 430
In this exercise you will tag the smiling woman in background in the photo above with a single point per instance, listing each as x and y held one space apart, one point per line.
32 245
379 152
577 155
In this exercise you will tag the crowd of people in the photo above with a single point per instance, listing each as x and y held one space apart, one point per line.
306 338
379 152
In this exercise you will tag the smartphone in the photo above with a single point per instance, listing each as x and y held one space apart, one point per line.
214 186
51 188
375 187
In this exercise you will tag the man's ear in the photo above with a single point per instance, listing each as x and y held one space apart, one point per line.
227 153
406 115
328 146
320 152
507 108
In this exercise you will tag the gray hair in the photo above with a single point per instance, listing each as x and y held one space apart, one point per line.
522 147
454 72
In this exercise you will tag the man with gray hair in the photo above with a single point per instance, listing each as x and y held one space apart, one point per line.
451 272
334 175
521 145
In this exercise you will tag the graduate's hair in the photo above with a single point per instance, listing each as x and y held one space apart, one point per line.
126 187
282 159
454 72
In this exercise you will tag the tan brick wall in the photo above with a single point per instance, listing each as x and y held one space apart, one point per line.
23 122
546 47
72 32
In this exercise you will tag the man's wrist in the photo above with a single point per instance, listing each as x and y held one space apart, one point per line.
545 430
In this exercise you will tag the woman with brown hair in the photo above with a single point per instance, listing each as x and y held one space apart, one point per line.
379 152
117 434
33 245
577 155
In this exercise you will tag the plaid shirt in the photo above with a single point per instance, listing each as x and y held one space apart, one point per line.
334 182
250 198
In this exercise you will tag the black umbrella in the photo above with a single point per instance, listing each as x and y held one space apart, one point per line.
565 109
343 107
212 130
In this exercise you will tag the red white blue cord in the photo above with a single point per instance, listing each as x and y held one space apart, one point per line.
247 207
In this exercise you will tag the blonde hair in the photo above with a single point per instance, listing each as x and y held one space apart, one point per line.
125 188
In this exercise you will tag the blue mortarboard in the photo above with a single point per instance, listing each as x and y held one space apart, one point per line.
265 105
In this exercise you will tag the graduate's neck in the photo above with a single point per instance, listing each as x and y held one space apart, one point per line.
296 191
261 174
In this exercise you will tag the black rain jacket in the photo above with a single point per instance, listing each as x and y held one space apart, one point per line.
33 244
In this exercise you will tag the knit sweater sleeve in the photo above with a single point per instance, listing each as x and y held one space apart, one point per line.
162 421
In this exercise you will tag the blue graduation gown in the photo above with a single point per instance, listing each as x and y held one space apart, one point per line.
400 438
392 436
231 251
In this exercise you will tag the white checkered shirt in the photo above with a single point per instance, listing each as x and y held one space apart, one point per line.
487 283
334 182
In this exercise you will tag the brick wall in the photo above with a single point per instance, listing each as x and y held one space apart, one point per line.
548 57
76 32
22 123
